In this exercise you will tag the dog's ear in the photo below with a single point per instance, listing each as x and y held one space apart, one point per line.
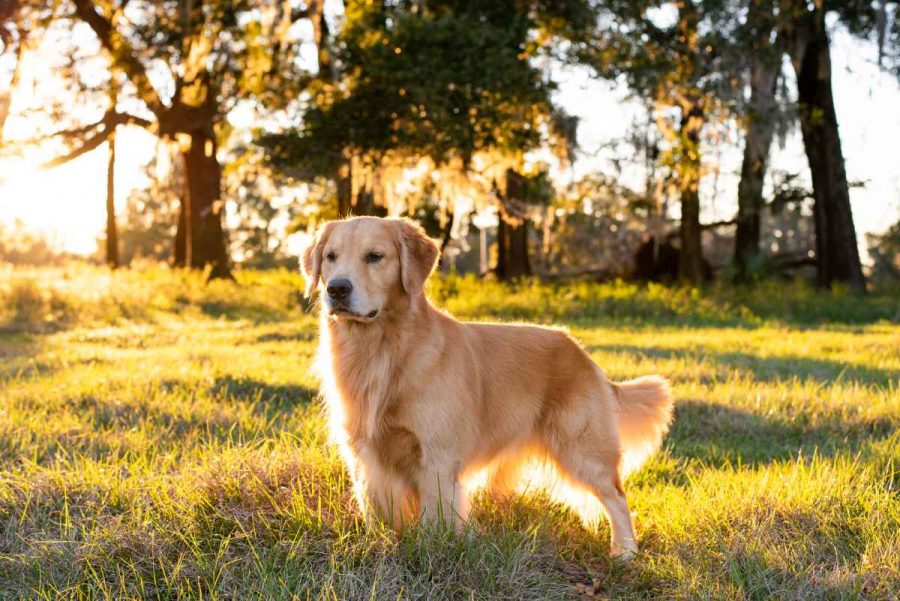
418 255
311 264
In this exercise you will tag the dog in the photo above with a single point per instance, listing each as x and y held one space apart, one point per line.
417 400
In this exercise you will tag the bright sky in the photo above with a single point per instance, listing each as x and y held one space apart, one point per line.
67 203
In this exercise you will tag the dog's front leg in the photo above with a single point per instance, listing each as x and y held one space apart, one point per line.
441 496
382 493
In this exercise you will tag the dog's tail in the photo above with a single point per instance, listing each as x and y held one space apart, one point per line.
645 412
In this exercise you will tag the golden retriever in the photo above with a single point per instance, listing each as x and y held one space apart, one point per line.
418 400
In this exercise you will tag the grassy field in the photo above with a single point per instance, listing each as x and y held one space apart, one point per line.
160 439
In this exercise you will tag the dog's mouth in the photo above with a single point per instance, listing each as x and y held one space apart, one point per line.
346 313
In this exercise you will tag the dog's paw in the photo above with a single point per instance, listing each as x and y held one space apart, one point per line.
623 552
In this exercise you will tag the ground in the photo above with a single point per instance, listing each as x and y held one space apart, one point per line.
160 438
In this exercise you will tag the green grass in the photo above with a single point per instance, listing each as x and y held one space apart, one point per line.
160 438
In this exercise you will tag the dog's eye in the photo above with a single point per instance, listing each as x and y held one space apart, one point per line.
331 256
374 257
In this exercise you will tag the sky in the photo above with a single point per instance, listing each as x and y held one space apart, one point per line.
67 203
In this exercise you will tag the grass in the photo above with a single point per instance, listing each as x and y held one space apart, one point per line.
159 438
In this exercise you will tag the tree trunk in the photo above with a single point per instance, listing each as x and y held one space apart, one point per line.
6 95
344 190
512 231
204 236
690 264
364 204
179 257
837 251
758 138
112 238
512 250
446 236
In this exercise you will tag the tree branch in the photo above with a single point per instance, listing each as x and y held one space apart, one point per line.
122 53
110 119
298 14
90 144
107 127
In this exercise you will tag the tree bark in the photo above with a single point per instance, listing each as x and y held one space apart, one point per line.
512 230
179 254
204 236
344 183
758 139
837 250
690 265
112 237
6 95
446 236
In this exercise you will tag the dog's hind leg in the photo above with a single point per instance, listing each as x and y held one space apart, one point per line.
603 481
590 458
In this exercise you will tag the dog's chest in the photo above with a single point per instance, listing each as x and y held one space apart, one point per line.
363 382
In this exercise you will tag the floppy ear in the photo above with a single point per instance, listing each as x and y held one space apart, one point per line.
311 264
418 255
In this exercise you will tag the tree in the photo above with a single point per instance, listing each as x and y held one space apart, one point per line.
837 252
146 227
760 116
112 235
217 53
438 83
682 65
885 251
801 31
11 39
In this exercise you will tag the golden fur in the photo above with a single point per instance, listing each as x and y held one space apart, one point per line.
417 400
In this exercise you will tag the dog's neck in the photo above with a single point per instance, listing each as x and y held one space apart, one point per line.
360 360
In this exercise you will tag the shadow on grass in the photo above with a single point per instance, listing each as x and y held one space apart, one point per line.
299 336
18 359
16 355
719 435
273 397
768 369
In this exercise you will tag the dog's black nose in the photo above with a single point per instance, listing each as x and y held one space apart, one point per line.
339 289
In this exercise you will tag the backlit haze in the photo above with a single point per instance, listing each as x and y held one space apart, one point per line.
67 203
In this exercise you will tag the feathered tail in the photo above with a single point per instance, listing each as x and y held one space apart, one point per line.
645 413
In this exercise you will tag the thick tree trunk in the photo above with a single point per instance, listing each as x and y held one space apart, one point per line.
512 250
112 237
690 265
204 236
758 138
837 252
179 256
344 190
512 231
364 204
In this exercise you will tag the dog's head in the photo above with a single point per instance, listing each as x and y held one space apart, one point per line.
363 265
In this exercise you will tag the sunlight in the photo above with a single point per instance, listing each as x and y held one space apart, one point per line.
540 476
67 203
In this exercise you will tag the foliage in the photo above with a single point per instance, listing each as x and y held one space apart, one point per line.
430 86
447 83
79 295
176 451
147 226
20 246
885 252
